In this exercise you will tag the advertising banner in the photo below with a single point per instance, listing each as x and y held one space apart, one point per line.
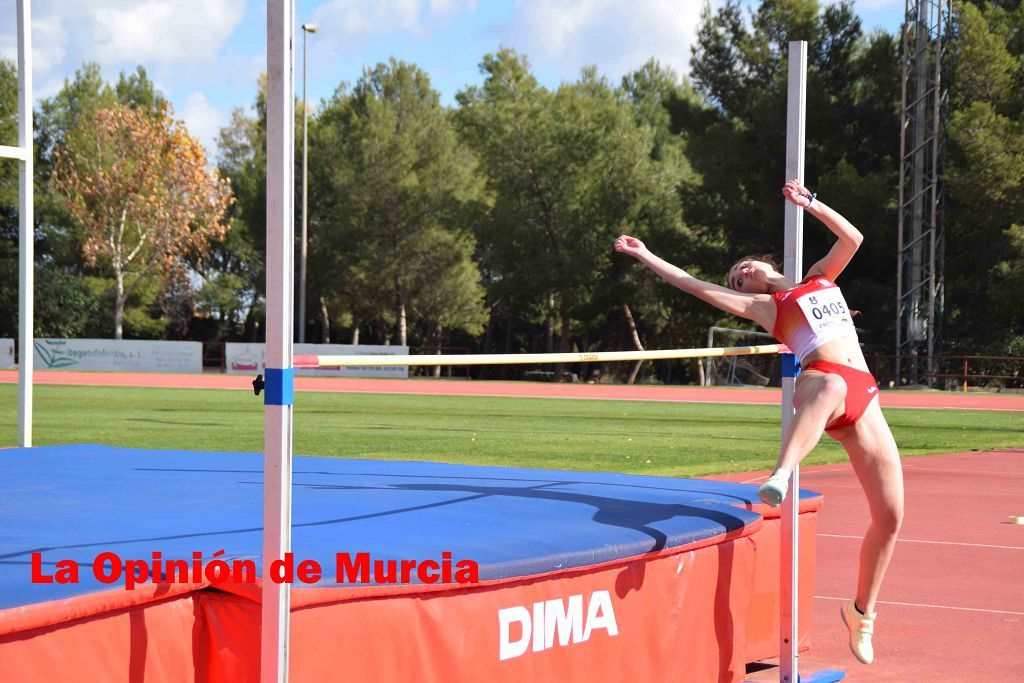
118 355
248 359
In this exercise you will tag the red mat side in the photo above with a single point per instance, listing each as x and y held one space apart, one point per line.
699 614
680 617
157 641
763 624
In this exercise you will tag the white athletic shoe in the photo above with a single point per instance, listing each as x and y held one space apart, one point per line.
773 491
861 627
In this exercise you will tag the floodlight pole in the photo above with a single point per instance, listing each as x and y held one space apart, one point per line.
789 580
280 267
306 28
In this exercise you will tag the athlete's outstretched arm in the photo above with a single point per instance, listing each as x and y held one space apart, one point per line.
756 307
841 253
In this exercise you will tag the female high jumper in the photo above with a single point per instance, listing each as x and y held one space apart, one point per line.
835 393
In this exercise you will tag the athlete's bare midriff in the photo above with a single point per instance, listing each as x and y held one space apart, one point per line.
843 351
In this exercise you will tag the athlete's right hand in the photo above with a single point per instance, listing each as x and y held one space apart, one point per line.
795 192
630 246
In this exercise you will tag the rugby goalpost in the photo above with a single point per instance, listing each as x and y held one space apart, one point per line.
25 156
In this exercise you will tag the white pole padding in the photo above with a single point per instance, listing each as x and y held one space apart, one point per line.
314 361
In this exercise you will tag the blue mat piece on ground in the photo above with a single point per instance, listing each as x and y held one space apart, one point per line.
75 502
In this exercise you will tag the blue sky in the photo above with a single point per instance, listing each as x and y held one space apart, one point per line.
205 55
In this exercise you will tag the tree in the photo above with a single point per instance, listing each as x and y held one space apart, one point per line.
71 297
736 139
73 105
64 303
233 273
135 91
570 170
396 182
8 201
985 174
138 188
445 284
653 312
8 137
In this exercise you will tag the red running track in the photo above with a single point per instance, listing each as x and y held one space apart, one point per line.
682 394
952 606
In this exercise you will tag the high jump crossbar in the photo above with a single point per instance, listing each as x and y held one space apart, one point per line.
316 361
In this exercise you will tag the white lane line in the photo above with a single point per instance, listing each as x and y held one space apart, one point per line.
912 540
943 469
919 604
809 481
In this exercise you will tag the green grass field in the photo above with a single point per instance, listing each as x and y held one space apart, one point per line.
673 439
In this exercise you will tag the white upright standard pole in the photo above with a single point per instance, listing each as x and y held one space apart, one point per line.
277 461
26 227
792 269
789 588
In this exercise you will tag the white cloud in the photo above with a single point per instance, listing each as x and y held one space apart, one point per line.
48 43
117 33
8 32
49 38
165 31
203 121
181 43
616 35
345 21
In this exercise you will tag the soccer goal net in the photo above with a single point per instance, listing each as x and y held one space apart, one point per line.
740 370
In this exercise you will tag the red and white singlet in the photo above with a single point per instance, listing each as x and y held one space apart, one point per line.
811 314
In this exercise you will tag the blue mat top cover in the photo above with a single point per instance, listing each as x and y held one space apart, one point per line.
75 502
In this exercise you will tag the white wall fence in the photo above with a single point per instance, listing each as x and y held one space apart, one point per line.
242 358
6 354
118 355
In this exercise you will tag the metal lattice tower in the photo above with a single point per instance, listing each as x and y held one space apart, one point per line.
919 279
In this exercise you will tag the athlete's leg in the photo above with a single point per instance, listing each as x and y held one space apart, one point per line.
876 461
819 398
